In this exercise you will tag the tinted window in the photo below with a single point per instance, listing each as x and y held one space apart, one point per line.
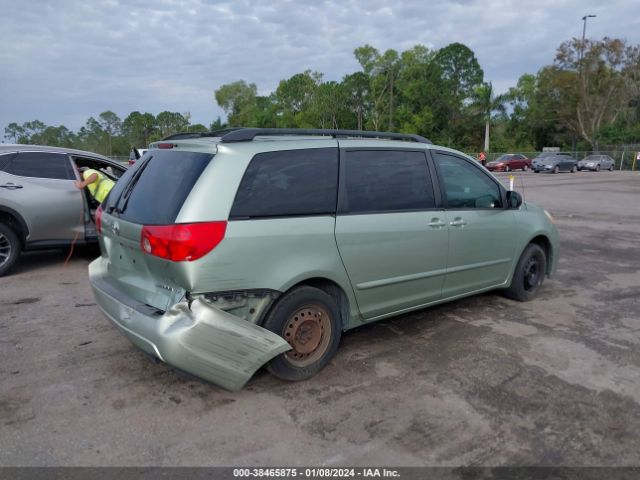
467 186
386 180
153 190
41 165
290 182
5 159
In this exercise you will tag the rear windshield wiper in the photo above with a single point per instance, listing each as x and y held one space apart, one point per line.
124 197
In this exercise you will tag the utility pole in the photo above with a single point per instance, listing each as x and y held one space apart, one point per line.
582 75
584 31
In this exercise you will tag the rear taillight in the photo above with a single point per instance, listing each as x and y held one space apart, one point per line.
98 218
166 145
182 241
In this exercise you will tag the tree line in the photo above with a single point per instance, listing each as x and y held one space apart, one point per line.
107 134
587 97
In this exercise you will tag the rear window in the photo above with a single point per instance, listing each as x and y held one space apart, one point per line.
153 190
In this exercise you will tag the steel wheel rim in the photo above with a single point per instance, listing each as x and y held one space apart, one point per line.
531 273
308 331
5 249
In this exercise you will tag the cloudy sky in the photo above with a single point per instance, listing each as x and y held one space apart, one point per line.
64 61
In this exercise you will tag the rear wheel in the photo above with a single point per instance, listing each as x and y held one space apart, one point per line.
525 168
611 167
528 275
507 168
309 319
9 248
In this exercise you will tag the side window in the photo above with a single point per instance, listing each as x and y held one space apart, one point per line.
387 180
5 159
466 186
41 165
289 182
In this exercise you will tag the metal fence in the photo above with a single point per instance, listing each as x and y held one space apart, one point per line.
625 159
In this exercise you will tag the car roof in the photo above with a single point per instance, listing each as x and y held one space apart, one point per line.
19 147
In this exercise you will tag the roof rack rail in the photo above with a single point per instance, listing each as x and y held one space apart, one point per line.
186 135
248 134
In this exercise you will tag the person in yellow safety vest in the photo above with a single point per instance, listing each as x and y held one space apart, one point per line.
98 184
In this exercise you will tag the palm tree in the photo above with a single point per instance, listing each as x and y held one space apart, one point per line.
487 102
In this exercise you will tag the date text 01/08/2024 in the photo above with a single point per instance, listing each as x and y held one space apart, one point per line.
315 472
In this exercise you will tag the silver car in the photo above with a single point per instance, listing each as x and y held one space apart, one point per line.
596 163
40 207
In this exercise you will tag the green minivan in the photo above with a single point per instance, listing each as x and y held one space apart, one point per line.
222 252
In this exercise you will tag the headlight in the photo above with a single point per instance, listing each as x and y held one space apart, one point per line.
549 216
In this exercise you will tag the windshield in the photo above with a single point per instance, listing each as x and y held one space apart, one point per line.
153 191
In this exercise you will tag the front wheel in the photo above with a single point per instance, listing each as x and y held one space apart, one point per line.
597 168
525 168
528 275
574 169
309 319
9 248
507 168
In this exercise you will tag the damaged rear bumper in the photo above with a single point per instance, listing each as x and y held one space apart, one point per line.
202 340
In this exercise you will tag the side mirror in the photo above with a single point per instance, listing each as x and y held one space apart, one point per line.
514 199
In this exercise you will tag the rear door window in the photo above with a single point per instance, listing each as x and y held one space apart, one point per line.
387 181
289 182
153 191
41 165
5 159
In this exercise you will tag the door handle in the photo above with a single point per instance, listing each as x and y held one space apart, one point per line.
10 186
437 223
458 222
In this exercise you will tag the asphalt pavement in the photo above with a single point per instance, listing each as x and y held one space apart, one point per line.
480 381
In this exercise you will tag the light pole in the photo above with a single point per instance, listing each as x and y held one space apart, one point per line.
584 30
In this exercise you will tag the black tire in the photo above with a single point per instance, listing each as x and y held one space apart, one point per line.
574 169
611 168
598 168
556 169
525 168
9 248
536 171
286 319
528 275
507 168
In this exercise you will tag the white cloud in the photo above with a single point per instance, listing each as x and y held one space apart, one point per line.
62 62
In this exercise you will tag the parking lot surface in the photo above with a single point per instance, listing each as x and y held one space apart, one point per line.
480 381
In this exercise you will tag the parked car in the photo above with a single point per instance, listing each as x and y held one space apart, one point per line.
596 163
509 162
135 154
221 254
39 205
541 156
556 163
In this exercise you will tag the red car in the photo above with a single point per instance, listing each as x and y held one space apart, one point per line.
508 162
